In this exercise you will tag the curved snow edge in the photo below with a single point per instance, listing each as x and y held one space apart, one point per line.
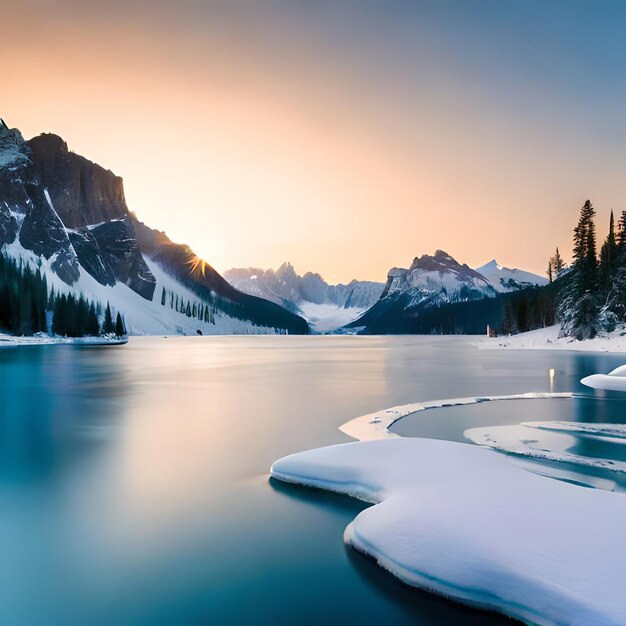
375 426
465 523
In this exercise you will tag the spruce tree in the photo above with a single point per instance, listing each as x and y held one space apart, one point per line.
579 306
120 331
608 256
107 325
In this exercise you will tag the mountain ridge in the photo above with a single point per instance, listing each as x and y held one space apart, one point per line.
68 216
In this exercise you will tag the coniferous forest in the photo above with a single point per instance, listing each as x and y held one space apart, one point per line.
27 306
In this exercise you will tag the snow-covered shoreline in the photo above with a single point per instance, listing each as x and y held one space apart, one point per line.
11 341
548 339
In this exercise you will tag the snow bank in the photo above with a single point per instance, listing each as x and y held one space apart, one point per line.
613 381
376 425
467 523
548 339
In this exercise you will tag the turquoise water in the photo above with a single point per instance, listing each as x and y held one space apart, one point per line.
134 485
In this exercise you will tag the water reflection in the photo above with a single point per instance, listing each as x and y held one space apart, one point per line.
133 481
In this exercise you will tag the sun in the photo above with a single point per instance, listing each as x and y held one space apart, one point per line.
198 265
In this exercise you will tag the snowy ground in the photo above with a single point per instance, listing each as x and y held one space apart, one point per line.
467 523
324 318
548 338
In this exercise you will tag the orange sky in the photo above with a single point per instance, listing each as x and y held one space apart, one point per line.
342 143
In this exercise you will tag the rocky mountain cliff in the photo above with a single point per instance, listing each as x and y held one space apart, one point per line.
69 216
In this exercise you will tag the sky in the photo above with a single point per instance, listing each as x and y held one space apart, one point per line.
345 136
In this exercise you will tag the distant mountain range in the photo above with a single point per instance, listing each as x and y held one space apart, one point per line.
413 298
68 217
326 307
376 307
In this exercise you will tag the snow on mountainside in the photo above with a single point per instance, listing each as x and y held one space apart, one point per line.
326 307
68 216
437 278
506 279
412 297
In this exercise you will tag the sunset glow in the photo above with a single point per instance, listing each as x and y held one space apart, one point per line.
294 132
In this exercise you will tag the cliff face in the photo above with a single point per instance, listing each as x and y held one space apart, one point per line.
83 193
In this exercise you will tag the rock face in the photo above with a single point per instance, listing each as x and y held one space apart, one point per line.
120 251
91 204
91 256
28 208
43 233
83 192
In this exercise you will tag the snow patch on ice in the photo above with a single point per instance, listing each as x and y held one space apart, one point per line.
519 441
467 523
612 431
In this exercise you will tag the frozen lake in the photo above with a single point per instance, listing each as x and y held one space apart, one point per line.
133 480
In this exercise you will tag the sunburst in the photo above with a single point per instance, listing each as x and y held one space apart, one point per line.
198 265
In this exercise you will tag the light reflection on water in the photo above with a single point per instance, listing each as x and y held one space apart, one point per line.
133 480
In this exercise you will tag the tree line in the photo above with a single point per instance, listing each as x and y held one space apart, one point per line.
27 306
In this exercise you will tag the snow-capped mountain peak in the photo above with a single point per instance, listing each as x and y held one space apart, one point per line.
509 279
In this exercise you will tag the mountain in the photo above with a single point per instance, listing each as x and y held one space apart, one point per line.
504 279
68 217
326 307
435 293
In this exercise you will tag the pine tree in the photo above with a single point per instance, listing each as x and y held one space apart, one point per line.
608 256
621 231
163 296
550 271
120 330
107 325
579 306
93 326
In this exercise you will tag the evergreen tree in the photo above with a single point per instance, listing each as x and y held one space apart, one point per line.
163 297
93 326
120 330
107 325
608 256
621 231
579 306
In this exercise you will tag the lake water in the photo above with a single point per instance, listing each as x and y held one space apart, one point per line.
134 480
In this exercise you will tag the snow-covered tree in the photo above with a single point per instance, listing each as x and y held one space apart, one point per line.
579 302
